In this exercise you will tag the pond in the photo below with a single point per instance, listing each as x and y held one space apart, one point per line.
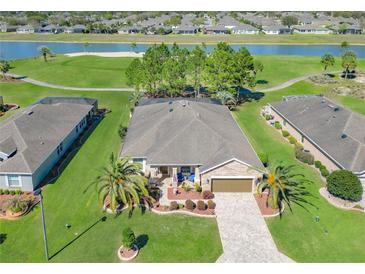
19 50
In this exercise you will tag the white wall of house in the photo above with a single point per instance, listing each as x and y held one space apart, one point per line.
25 181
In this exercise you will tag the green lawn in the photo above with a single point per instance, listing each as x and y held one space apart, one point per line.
93 71
83 71
297 235
281 68
188 39
165 238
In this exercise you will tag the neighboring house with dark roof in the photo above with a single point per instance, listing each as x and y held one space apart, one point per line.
75 29
25 29
332 133
192 137
35 139
219 29
51 29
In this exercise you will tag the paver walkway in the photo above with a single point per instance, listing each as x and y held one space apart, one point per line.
243 231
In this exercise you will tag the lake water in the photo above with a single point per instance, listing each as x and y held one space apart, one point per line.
19 50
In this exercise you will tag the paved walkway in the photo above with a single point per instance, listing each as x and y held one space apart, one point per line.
243 231
48 85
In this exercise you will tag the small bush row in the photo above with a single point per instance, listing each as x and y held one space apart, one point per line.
190 205
10 192
324 171
304 156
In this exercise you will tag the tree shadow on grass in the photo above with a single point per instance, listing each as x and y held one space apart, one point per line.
262 82
247 95
142 240
102 219
3 237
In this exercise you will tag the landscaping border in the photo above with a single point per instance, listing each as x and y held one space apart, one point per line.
184 212
324 193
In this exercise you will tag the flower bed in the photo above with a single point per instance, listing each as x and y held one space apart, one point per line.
265 210
340 203
127 254
183 195
7 214
160 209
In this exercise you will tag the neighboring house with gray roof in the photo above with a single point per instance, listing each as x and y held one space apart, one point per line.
276 29
244 29
311 29
35 139
192 137
332 133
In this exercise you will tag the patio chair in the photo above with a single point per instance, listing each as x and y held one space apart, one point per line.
191 177
180 177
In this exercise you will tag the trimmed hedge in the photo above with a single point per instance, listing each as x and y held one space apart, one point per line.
285 133
317 164
304 156
189 204
292 140
324 171
264 158
174 206
200 205
345 184
299 146
211 204
206 194
277 125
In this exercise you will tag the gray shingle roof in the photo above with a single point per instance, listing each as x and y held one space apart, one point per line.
198 133
317 118
39 129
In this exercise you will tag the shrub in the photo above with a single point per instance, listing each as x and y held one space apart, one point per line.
12 192
264 158
345 184
186 186
268 117
189 204
19 192
1 191
277 125
173 205
304 156
155 193
292 140
129 239
200 205
211 204
180 206
197 187
298 146
285 133
206 194
6 191
317 164
18 205
324 171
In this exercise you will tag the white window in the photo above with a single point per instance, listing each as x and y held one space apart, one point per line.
14 181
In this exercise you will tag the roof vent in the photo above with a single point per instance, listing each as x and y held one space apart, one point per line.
171 109
336 108
343 136
30 112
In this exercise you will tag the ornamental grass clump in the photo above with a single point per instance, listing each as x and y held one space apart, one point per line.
129 239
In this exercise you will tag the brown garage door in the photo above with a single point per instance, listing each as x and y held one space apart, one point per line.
232 185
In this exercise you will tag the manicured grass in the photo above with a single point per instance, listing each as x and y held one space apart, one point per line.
83 71
164 238
188 39
298 235
281 68
93 71
356 104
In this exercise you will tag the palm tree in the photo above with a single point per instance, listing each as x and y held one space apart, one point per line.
284 185
44 51
4 67
122 183
327 60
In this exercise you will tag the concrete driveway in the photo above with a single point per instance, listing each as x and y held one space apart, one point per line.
244 234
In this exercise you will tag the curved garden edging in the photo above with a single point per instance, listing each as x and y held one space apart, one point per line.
276 214
324 193
184 212
16 217
126 259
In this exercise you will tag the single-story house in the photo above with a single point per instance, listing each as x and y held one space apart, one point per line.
244 29
75 29
216 30
332 133
130 30
311 29
186 30
25 29
198 138
51 29
276 29
35 139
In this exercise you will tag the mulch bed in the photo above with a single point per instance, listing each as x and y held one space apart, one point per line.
5 199
208 211
183 195
128 252
262 203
